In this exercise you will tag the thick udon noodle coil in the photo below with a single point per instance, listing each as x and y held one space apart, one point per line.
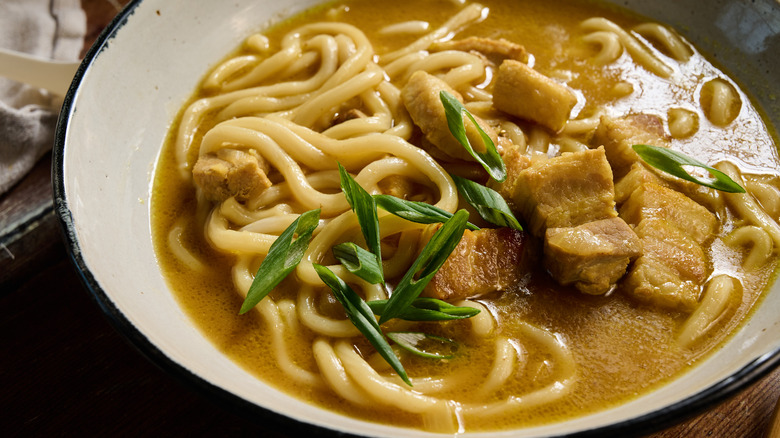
282 103
373 148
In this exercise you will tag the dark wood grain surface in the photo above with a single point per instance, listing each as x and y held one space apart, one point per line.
64 371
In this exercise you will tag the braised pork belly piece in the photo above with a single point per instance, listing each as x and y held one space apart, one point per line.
592 256
672 228
651 200
565 191
421 98
231 173
495 50
636 176
568 201
618 135
672 269
485 261
523 92
515 161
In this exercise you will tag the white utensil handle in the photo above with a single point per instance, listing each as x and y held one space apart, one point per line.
54 76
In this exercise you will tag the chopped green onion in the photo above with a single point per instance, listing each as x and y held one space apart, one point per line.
490 159
671 162
362 318
425 345
413 211
427 309
490 205
359 262
283 256
364 206
432 257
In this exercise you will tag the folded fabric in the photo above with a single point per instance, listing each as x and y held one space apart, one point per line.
52 29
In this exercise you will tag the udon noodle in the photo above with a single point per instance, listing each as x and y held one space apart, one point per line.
536 353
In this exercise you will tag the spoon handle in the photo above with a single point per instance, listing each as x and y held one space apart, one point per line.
54 76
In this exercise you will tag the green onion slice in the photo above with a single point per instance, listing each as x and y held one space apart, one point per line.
358 261
413 211
425 345
427 309
283 256
671 162
362 318
490 159
425 266
364 206
490 205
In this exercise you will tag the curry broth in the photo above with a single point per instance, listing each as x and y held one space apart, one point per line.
622 349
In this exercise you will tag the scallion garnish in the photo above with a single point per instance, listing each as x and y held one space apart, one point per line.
488 203
672 162
364 206
427 309
413 211
359 262
432 257
425 345
283 256
286 253
362 317
490 159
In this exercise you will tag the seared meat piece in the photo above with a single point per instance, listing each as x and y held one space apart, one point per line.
515 162
231 173
672 228
565 191
638 175
495 50
671 270
618 135
569 200
421 98
654 201
592 256
521 91
484 261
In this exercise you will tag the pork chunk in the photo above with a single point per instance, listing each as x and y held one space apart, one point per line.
515 162
635 178
617 135
592 256
523 92
231 173
671 270
421 98
495 50
565 191
654 201
484 261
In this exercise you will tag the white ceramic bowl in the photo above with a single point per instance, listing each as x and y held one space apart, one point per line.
114 122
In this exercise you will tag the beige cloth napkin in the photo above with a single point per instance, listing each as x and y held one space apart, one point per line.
52 29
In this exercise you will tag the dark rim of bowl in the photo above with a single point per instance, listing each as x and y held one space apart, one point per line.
648 423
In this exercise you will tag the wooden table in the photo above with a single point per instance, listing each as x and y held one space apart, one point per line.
65 371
